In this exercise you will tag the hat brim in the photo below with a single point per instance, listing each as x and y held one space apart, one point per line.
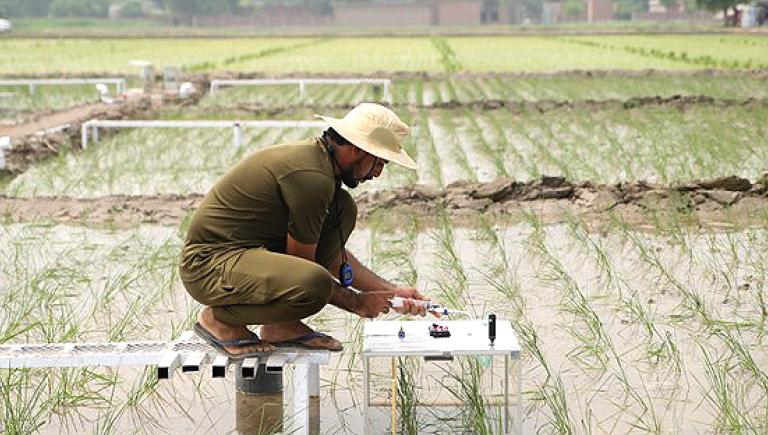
402 158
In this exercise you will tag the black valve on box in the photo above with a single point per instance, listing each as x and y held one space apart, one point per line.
492 328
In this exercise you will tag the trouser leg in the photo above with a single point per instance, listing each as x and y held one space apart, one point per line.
336 229
262 287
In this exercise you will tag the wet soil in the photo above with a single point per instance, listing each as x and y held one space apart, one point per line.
727 199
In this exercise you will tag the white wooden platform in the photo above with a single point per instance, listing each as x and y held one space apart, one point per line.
188 354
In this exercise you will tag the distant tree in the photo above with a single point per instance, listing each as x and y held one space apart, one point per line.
573 8
720 5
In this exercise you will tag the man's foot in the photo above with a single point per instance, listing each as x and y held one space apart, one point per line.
225 331
285 332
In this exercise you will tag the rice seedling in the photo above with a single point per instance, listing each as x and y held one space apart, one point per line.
453 282
724 392
407 397
475 412
447 56
591 337
430 171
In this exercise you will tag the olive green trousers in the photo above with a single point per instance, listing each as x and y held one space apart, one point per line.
255 286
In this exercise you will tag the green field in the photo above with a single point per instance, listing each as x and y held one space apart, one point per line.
370 55
639 317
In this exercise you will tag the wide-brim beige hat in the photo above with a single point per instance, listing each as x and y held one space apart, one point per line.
376 130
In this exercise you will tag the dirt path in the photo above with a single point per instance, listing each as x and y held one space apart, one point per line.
728 199
52 120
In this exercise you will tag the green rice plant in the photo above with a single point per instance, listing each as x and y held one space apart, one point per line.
744 358
428 152
554 396
447 56
692 304
246 61
23 408
492 153
467 389
591 337
457 153
407 396
723 393
453 282
501 278
703 51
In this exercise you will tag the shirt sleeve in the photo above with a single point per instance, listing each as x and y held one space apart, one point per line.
308 196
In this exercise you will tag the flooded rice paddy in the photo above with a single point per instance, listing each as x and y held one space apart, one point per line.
655 329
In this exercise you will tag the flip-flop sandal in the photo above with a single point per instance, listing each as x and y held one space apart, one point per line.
220 344
302 342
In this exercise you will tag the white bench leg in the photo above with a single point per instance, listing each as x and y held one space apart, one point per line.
313 380
306 384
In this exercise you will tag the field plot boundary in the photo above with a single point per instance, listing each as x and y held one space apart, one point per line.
702 201
206 77
540 106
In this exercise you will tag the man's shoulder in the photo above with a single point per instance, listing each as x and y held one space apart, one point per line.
291 158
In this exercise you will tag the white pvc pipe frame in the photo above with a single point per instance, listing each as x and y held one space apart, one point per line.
91 128
33 83
216 84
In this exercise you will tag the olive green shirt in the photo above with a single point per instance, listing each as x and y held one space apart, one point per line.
279 190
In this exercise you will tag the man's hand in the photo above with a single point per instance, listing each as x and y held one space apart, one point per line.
370 305
409 306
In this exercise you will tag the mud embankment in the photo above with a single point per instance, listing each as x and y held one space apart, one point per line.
678 102
721 199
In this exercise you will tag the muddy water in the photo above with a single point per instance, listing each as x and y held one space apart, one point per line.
724 271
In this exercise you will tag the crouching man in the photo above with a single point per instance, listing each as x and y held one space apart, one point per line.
267 244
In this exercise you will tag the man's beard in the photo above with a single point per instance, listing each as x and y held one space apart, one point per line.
348 178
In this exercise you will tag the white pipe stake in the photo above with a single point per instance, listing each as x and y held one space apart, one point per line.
237 135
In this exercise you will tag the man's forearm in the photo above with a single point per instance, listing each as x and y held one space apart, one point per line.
344 298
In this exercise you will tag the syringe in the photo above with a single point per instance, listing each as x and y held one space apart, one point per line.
398 302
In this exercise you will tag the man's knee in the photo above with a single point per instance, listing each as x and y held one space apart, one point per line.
316 283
